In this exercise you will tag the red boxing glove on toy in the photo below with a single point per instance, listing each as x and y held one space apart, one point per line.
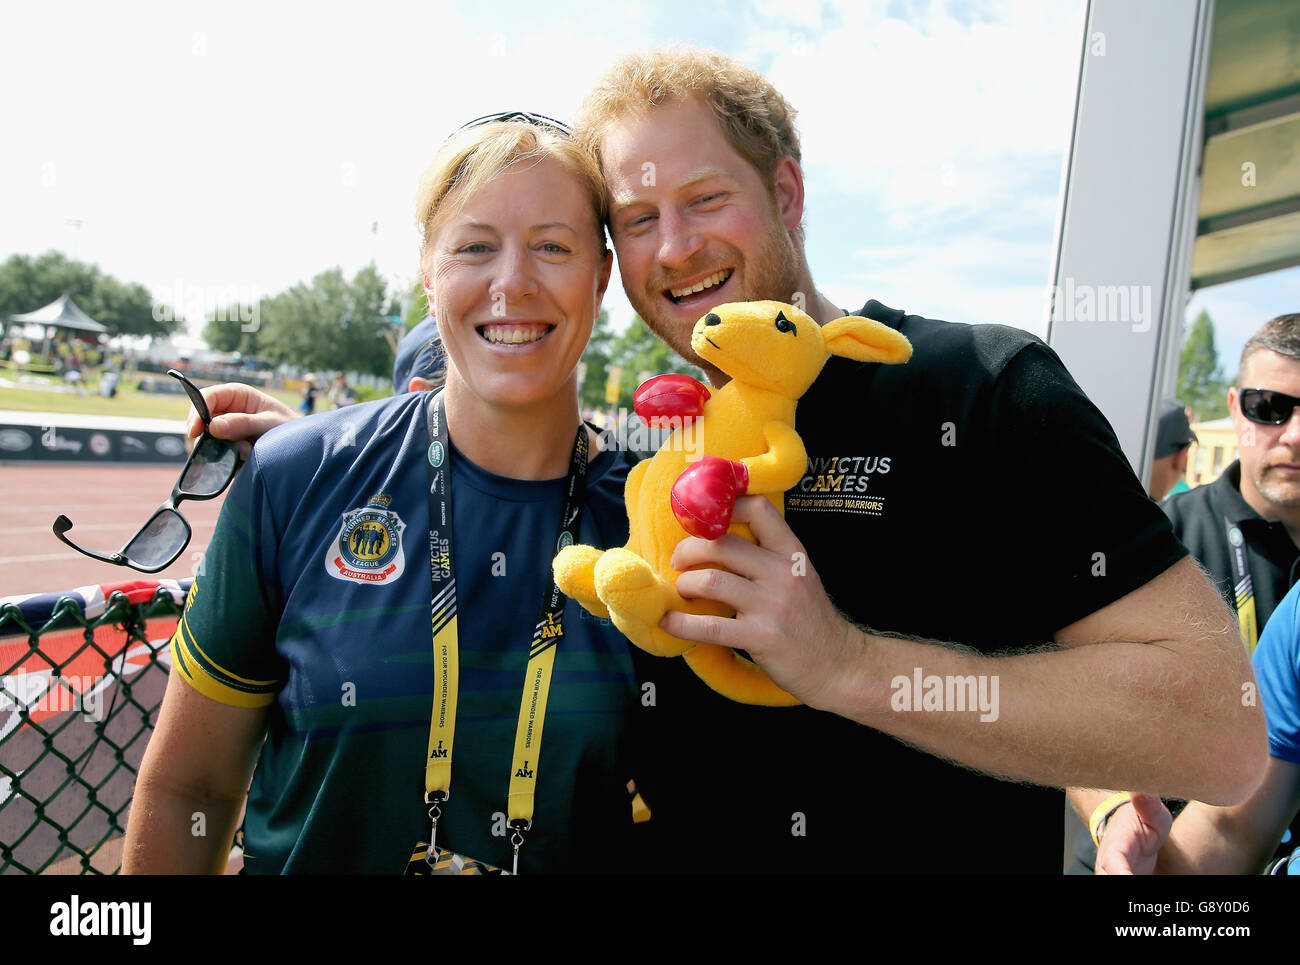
705 494
667 397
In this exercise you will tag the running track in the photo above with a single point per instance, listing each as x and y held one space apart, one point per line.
107 505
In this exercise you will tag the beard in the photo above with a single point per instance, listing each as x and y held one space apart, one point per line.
771 275
1277 490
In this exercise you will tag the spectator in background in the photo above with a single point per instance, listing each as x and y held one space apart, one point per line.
245 413
1238 839
309 390
340 393
73 376
421 362
1243 528
108 384
1174 438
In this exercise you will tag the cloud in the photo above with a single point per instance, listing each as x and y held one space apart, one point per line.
931 115
254 146
947 279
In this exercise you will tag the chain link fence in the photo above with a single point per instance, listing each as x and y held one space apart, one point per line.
82 675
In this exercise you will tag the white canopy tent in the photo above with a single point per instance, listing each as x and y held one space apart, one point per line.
1183 171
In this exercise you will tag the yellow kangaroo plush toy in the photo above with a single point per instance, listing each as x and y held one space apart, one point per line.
736 440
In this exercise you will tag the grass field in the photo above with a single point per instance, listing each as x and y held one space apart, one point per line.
129 402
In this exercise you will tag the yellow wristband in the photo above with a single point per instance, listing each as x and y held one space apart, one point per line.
1097 823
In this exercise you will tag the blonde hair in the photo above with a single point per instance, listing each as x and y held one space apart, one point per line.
754 117
472 157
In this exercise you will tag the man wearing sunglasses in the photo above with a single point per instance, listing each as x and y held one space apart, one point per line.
1254 505
1244 527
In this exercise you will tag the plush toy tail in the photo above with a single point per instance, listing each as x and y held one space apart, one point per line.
736 678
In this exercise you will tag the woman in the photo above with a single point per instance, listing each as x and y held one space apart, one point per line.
314 615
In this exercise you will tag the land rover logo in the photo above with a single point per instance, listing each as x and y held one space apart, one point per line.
435 454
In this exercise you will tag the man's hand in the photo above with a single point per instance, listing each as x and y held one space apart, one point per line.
240 413
784 619
1133 837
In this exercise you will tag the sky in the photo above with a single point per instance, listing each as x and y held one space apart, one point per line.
226 151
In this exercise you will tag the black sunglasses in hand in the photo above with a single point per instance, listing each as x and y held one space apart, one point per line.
208 471
1266 407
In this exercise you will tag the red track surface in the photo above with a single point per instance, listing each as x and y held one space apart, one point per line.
106 503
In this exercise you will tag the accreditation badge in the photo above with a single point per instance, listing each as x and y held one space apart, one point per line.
442 862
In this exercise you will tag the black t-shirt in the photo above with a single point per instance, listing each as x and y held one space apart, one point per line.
972 495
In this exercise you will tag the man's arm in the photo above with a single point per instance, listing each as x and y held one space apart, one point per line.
1145 693
1234 840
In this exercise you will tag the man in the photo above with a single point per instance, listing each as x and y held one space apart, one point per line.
1244 528
340 393
244 413
421 362
1255 503
707 198
1228 840
1049 622
1174 437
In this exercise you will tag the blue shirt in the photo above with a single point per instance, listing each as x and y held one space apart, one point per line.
1277 666
314 600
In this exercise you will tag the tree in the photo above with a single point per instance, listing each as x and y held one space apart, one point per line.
234 328
417 307
636 351
28 283
1201 384
329 324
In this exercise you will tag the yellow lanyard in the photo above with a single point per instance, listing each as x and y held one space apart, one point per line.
541 655
1243 588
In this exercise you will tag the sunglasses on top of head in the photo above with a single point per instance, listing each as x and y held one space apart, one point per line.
526 117
207 472
1266 407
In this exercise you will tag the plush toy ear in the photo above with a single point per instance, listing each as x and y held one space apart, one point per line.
865 340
